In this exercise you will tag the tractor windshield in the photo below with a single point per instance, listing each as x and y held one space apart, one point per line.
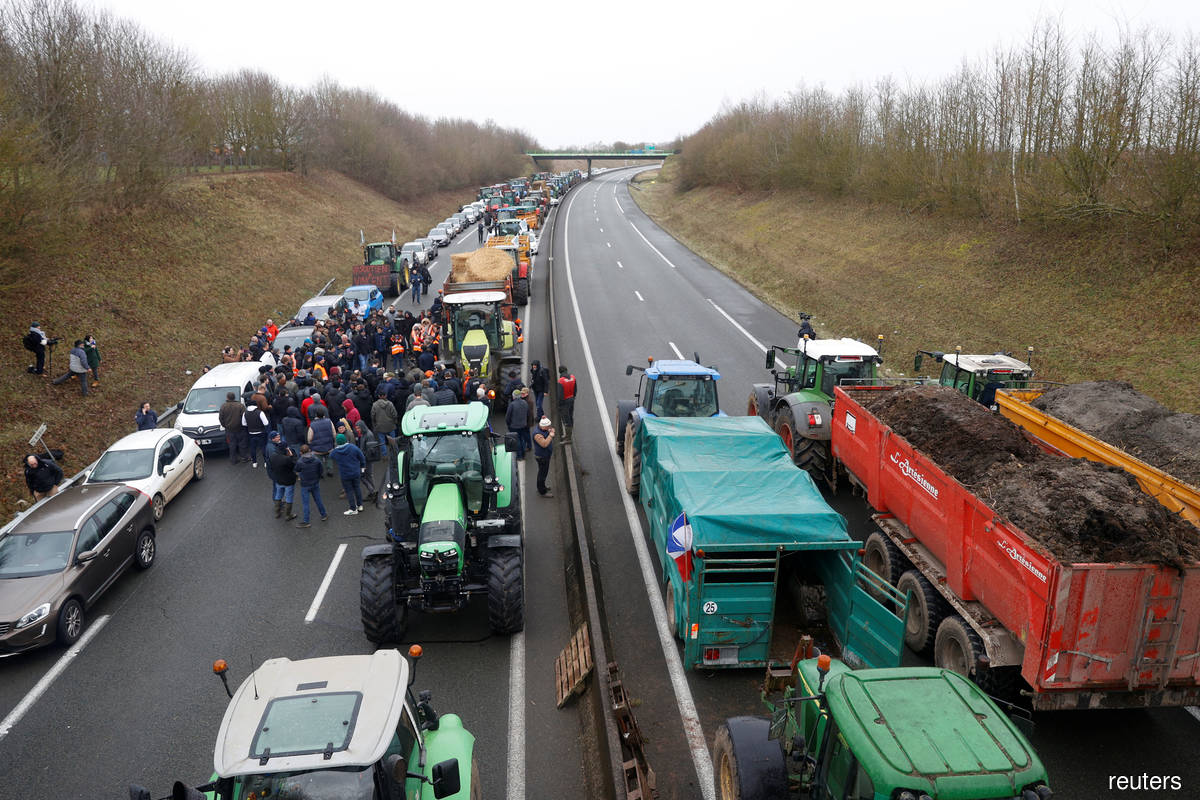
378 253
683 396
837 373
348 783
444 457
476 317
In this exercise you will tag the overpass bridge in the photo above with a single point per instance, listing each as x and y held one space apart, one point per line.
646 154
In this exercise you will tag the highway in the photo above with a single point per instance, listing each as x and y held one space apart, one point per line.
625 290
138 702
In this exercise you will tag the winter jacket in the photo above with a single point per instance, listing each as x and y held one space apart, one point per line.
230 415
320 435
44 477
310 469
414 401
444 397
146 420
539 379
255 421
282 467
293 427
349 459
517 416
78 362
383 416
351 415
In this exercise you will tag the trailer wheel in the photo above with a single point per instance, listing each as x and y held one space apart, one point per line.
925 612
1002 683
633 464
521 292
957 646
747 764
669 603
383 620
881 556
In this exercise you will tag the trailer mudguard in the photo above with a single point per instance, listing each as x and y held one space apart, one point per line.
761 397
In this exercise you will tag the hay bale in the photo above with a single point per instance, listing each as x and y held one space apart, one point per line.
484 264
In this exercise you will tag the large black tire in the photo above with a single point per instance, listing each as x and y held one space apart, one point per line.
506 590
383 620
198 468
1001 683
812 456
881 556
926 610
669 604
70 622
957 646
633 464
746 764
521 292
619 428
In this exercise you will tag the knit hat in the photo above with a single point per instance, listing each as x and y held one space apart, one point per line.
340 438
562 371
516 393
545 423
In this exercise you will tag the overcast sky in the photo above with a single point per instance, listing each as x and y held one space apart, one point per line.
572 73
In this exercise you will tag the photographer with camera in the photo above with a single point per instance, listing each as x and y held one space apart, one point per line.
806 329
36 342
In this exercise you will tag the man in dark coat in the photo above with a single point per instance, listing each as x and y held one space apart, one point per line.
42 476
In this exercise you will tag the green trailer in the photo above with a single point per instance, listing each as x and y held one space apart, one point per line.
753 559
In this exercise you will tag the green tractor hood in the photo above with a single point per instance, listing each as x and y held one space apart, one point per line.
476 353
443 532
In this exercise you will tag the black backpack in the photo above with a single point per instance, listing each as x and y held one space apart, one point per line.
31 341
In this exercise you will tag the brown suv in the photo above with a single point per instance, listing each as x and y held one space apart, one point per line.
61 556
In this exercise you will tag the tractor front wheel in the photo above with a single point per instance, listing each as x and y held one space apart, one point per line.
506 590
383 620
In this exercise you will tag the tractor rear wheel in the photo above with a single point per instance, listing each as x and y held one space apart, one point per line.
746 763
926 611
521 292
633 464
383 620
619 427
812 456
506 590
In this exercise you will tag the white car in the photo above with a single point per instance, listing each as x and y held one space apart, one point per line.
533 243
158 463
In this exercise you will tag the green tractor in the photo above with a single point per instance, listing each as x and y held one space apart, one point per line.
979 376
799 405
454 521
903 733
343 726
480 341
383 266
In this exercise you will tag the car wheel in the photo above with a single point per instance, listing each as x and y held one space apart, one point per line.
159 506
70 622
145 549
198 468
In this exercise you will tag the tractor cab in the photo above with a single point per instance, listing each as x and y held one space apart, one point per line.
379 253
822 364
979 376
677 388
450 447
477 331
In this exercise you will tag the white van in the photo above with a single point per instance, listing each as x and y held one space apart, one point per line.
198 417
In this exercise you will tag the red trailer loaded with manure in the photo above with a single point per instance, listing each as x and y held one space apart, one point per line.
992 601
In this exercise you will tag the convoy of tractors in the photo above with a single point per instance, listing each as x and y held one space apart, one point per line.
757 570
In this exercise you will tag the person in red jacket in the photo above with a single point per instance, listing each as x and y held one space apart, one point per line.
566 400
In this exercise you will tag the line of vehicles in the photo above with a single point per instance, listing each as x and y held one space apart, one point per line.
759 572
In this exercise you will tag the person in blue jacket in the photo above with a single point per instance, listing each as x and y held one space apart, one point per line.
350 463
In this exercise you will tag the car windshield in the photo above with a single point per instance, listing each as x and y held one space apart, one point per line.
292 337
206 401
123 465
27 555
684 396
357 294
346 783
410 248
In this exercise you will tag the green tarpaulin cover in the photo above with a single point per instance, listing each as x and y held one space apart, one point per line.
736 482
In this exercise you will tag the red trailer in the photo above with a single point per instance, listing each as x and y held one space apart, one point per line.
992 602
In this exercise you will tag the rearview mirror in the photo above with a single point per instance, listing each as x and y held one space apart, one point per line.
446 780
85 556
770 357
917 362
139 792
181 791
629 369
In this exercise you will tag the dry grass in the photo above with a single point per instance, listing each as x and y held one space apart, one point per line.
165 288
1098 303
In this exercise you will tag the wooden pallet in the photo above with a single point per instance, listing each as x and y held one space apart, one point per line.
573 665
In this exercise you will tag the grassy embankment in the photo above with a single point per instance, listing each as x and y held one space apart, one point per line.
163 289
1095 303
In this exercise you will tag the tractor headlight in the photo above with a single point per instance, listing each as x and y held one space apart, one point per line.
37 615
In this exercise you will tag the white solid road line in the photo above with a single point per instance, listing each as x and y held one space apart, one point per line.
516 645
620 265
639 295
678 354
652 247
42 685
743 331
692 729
1193 710
609 244
324 587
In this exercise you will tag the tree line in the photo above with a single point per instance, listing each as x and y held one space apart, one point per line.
96 113
1047 130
